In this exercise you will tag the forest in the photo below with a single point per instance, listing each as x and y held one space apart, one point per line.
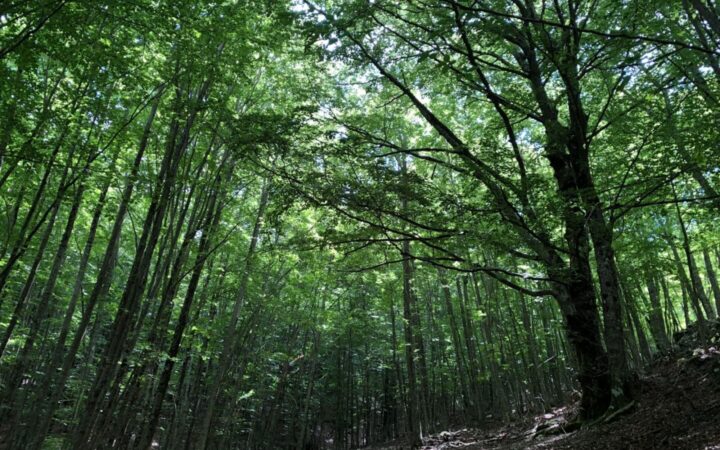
340 224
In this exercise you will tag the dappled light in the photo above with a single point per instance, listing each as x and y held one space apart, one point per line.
342 224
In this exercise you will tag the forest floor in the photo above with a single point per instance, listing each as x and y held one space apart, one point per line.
677 407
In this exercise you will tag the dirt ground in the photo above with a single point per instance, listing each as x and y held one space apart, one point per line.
677 407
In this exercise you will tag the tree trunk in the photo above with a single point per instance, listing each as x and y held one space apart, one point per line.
686 286
100 289
226 356
657 323
577 301
696 284
95 409
455 334
214 211
712 278
413 400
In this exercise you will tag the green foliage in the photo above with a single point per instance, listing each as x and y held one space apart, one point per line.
290 223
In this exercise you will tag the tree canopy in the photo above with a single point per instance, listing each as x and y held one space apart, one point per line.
313 224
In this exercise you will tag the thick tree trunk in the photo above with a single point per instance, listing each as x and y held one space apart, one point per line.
568 153
578 304
611 292
581 318
573 288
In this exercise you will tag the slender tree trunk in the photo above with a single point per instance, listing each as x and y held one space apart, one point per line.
419 347
213 217
537 372
42 311
26 230
95 409
469 336
712 278
696 281
25 294
400 385
413 400
100 289
670 310
657 323
691 165
229 335
686 286
643 345
459 357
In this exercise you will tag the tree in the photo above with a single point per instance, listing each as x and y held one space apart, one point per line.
315 224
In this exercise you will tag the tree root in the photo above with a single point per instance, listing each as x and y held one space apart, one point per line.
577 424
